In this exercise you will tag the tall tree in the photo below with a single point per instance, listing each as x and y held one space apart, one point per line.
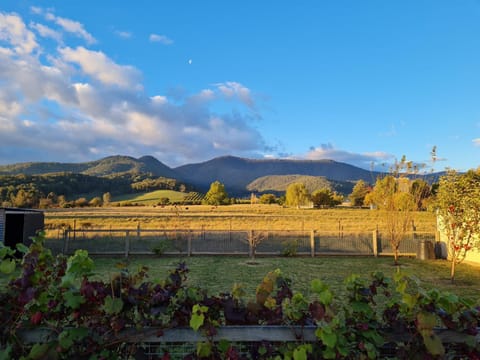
325 197
297 195
359 191
217 195
458 206
397 199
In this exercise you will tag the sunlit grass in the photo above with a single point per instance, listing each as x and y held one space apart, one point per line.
219 273
234 217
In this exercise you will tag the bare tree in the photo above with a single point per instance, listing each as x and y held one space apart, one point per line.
254 239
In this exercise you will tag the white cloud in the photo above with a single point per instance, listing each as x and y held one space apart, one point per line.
36 10
97 65
235 90
74 103
163 39
123 34
329 152
476 142
71 26
15 33
46 32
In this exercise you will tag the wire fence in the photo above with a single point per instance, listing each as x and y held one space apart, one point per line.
134 242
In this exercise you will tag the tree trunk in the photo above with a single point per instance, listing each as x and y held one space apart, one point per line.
395 255
452 269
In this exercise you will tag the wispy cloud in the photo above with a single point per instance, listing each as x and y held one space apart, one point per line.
163 39
476 142
123 34
68 25
46 31
330 152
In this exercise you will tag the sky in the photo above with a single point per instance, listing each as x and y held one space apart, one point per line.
361 82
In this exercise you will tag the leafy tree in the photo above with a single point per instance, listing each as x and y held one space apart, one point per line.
164 201
81 202
359 191
324 197
62 201
268 199
395 196
296 195
422 192
217 194
107 198
95 202
458 206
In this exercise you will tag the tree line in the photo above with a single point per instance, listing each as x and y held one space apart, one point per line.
73 189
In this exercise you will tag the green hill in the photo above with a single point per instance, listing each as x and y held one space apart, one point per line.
109 166
279 183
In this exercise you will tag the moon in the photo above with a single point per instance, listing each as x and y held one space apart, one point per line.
190 62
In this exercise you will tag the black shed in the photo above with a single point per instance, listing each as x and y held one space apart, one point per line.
18 225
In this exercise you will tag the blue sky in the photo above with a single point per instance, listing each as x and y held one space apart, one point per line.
362 82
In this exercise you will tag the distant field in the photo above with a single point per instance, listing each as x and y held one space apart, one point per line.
155 197
231 217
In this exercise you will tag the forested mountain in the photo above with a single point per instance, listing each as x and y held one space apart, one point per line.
236 173
116 174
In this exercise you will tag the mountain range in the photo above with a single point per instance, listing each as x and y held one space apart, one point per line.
237 174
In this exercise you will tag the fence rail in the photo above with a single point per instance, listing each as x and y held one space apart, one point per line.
137 241
179 342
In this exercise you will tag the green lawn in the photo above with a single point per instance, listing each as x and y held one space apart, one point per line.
219 273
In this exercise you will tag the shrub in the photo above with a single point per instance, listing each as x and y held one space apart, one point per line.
87 318
161 247
289 248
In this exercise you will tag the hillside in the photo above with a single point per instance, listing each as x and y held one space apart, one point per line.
236 173
112 165
279 183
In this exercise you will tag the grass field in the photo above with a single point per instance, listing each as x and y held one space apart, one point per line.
232 217
155 197
218 274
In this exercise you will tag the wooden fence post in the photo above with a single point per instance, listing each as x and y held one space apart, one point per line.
414 229
250 243
375 242
312 243
74 229
127 243
66 236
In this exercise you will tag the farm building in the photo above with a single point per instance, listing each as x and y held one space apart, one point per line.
19 225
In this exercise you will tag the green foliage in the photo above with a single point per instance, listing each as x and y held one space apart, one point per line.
161 246
198 316
267 199
112 305
398 199
360 190
93 319
216 195
325 197
290 248
458 204
297 195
